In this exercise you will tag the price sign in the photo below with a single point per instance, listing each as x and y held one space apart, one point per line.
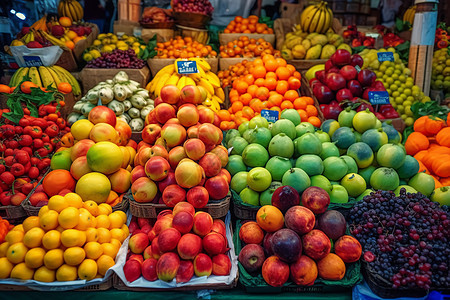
32 61
385 56
187 67
358 69
378 98
269 115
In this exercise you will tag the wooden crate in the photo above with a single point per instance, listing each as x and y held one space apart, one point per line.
224 38
224 63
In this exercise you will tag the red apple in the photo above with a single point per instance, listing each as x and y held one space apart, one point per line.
335 81
150 133
341 57
355 88
164 112
344 94
170 94
157 168
356 60
349 72
102 114
188 115
366 77
191 94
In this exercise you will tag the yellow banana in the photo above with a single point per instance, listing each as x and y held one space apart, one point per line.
53 40
173 79
70 79
60 8
189 81
34 76
201 63
181 82
323 20
219 93
169 69
55 76
315 20
306 15
213 79
215 98
46 77
161 83
78 10
207 85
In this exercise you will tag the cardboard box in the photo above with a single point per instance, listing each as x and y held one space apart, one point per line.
90 77
162 35
157 64
291 10
125 27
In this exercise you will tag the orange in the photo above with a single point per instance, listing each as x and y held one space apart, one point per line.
291 68
30 222
282 87
21 271
258 62
78 38
65 21
283 73
237 106
270 83
259 71
249 79
275 108
57 203
71 34
308 100
91 234
66 273
3 248
300 103
73 256
65 87
256 105
297 74
303 114
275 100
104 235
116 220
245 99
241 86
70 45
5 268
291 95
224 115
69 217
270 218
51 239
87 270
33 237
54 258
248 112
49 220
270 64
281 62
118 234
294 83
262 93
5 89
44 274
93 250
260 82
35 258
315 121
286 104
73 237
16 253
311 110
252 90
26 86
14 236
109 249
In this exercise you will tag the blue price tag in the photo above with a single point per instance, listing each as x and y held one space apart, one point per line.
385 56
32 61
269 115
187 67
379 98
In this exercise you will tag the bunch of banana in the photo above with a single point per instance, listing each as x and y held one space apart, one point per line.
409 14
46 76
316 18
40 24
71 9
54 40
204 78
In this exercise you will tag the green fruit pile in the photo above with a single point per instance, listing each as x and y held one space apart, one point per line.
397 80
346 157
440 76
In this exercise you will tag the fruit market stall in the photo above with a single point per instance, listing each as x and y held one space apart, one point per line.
269 157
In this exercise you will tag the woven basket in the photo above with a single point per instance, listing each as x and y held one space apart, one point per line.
14 214
216 208
242 210
93 287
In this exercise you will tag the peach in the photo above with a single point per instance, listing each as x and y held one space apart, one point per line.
158 150
194 148
209 134
148 251
217 120
167 266
185 271
173 121
151 118
79 167
173 134
225 174
137 172
160 142
348 248
211 163
170 94
144 190
192 132
221 265
316 244
164 112
103 132
173 194
151 235
183 222
198 196
120 181
183 206
304 271
206 115
136 257
150 133
300 219
168 239
191 94
222 153
217 187
203 92
188 115
138 243
331 267
202 223
214 243
170 179
251 233
132 270
142 156
189 246
157 168
156 252
219 227
202 265
176 154
188 174
102 114
81 148
275 271
149 269
163 223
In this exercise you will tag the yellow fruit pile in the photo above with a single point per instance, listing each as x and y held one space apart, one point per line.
68 240
107 42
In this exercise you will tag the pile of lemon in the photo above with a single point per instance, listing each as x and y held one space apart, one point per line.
68 240
107 42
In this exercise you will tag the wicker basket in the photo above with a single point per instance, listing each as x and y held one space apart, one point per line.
191 19
159 25
216 208
14 214
241 210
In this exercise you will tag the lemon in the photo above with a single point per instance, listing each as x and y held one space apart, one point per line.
33 237
35 258
54 258
66 273
73 256
21 271
69 217
5 268
87 270
44 274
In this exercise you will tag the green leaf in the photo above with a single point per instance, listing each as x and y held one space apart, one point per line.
358 49
399 25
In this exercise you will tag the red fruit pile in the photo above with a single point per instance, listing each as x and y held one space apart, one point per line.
293 241
178 245
358 38
25 151
180 156
194 6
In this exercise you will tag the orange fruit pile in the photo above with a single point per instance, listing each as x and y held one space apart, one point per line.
233 72
246 47
272 84
247 25
186 47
